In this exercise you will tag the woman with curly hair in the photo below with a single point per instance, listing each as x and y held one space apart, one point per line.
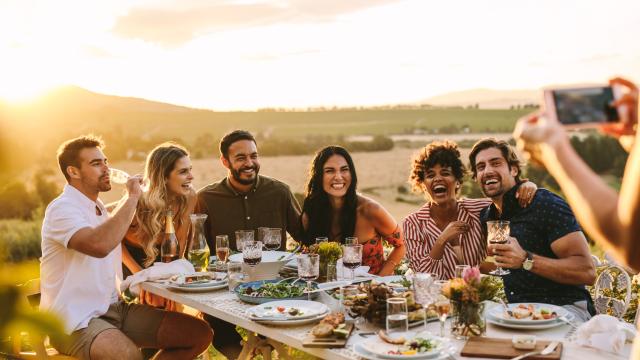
333 209
446 231
168 173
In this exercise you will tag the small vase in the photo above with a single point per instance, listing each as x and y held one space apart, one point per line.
467 319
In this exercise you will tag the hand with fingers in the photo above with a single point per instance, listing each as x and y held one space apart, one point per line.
509 255
453 230
526 192
627 105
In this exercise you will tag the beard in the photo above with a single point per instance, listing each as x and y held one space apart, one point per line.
237 175
102 185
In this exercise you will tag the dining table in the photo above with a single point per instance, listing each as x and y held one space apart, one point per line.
226 306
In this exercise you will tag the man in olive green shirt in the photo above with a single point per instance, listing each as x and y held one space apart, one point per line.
245 200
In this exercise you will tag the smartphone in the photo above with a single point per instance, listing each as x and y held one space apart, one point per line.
583 106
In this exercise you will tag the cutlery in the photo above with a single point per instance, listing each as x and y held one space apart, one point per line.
290 256
506 307
546 351
365 334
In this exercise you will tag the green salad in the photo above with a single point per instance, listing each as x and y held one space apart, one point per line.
274 290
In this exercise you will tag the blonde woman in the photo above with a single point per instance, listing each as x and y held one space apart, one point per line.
168 173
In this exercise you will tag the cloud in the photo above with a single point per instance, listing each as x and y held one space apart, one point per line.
175 26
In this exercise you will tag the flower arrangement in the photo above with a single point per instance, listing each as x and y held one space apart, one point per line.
466 295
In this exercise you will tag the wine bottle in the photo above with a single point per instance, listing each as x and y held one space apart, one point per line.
169 246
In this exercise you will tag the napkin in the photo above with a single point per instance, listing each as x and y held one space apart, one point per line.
605 332
341 272
157 271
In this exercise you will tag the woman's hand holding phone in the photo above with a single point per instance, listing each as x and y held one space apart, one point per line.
627 105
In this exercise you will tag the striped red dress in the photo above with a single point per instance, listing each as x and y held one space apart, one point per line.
421 232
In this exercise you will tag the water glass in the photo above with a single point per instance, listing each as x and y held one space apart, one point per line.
443 307
460 270
321 239
242 236
498 233
308 269
235 275
332 272
397 318
422 284
351 240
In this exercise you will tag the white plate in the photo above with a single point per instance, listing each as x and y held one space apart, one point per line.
498 313
381 349
310 309
293 322
360 350
214 286
509 325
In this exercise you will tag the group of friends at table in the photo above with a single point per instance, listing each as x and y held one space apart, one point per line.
86 245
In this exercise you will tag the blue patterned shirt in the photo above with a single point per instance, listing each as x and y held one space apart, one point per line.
536 227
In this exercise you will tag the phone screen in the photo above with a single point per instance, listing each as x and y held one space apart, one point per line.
585 105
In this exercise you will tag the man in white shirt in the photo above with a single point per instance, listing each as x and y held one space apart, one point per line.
81 269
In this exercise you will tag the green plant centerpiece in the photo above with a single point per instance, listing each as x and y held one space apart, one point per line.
467 295
329 251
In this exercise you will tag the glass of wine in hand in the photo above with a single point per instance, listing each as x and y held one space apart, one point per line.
498 233
222 250
252 253
352 257
308 269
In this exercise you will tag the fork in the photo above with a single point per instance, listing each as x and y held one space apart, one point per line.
573 329
546 351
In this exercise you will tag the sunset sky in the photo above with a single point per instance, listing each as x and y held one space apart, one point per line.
244 55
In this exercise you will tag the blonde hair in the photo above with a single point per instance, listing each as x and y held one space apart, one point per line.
153 204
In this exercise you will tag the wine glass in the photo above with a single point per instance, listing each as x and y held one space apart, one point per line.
270 237
351 257
252 252
498 233
118 176
242 236
308 269
422 283
443 307
222 249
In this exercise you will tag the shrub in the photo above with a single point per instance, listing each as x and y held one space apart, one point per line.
20 239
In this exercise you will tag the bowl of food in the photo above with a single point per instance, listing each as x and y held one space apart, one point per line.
262 291
269 266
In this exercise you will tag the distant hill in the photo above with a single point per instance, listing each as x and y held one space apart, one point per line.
486 98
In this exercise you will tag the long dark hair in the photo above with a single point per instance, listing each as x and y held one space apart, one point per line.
316 203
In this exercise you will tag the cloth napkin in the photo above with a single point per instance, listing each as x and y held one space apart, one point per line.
605 332
341 272
157 271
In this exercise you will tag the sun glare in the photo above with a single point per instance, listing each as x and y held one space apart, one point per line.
24 92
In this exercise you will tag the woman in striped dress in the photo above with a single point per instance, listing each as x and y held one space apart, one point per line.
446 231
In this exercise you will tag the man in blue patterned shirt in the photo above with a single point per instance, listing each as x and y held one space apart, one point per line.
547 253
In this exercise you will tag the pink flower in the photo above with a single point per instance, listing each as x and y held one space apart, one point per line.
471 276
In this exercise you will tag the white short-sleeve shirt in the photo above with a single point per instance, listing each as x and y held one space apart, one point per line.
75 286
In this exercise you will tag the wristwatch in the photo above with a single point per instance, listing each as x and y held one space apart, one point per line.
528 262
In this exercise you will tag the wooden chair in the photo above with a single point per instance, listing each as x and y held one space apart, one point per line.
612 283
31 292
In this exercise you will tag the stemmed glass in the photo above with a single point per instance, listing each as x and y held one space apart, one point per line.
270 237
308 269
118 176
442 304
498 233
351 257
222 249
422 283
252 253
